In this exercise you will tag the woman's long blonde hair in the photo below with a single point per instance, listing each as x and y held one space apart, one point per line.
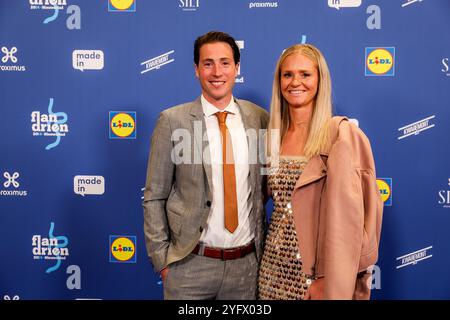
318 138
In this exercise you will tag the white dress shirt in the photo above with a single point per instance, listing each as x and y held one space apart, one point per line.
215 234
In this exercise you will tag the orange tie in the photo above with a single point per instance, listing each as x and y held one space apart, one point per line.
229 176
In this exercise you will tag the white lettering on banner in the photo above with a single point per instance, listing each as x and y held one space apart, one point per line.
408 2
416 127
445 69
47 124
444 197
374 282
11 182
183 140
252 5
48 248
73 22
189 5
157 62
48 4
74 280
414 257
10 56
374 20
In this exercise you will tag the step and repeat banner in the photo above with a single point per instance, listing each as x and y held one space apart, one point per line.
82 83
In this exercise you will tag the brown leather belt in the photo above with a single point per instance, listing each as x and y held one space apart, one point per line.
224 254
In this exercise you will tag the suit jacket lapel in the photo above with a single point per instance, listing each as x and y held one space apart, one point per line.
250 122
199 130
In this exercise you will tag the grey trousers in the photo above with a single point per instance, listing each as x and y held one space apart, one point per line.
202 278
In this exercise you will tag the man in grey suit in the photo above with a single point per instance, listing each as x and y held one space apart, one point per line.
204 216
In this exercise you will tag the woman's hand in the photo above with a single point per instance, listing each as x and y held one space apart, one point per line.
315 291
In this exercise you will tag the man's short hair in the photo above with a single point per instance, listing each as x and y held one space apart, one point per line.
212 37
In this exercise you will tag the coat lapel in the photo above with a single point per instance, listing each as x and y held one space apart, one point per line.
315 169
317 166
199 130
250 122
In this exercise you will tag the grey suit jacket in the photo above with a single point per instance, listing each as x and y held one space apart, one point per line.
177 195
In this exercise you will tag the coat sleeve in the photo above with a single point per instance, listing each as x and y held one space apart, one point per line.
345 212
160 173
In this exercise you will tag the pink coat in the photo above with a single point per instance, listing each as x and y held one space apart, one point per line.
337 211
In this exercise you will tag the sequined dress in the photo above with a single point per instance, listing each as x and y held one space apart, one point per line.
280 275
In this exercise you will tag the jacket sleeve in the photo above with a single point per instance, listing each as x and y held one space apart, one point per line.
345 212
160 173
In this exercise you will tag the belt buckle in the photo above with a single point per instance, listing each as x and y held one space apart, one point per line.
226 253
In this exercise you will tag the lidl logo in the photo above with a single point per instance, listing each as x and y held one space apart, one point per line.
122 5
122 249
385 187
122 125
380 61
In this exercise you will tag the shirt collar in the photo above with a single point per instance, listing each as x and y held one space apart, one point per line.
209 109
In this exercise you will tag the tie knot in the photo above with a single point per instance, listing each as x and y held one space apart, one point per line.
221 116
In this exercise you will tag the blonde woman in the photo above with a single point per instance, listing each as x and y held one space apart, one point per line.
325 228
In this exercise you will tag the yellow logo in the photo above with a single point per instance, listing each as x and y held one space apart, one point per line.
380 61
385 189
122 125
121 4
122 249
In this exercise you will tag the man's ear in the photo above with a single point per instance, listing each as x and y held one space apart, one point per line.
196 70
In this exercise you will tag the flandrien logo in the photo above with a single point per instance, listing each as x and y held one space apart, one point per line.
157 62
258 5
189 5
408 2
47 4
51 248
73 11
337 4
9 60
88 60
414 257
52 124
11 185
90 185
416 127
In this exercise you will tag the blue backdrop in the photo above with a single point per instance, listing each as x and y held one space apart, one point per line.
81 86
